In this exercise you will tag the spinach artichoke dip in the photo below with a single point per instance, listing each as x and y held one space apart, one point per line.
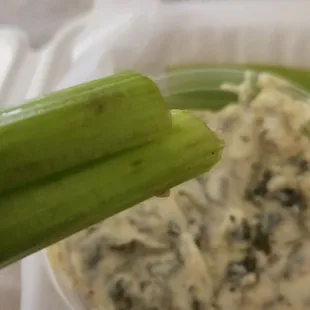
235 238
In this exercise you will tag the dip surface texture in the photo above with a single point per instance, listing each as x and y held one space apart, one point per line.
235 238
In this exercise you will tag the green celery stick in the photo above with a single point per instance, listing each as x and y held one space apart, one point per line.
75 125
40 214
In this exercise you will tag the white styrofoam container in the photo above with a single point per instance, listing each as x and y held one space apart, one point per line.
165 34
234 32
219 31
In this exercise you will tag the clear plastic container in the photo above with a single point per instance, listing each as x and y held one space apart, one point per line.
192 36
181 83
191 82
